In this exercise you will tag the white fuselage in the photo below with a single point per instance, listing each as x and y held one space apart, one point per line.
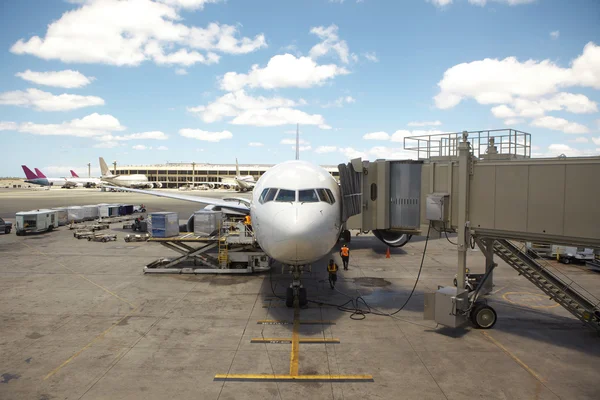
245 182
294 232
133 181
84 181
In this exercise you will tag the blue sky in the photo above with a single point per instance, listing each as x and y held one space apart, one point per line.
151 81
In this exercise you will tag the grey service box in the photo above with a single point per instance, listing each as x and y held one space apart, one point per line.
445 305
437 207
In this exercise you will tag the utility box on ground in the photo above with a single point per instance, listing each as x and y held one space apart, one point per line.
445 306
163 224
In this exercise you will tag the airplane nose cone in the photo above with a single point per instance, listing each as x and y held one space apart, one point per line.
300 235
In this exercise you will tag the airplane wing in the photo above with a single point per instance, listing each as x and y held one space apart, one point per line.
233 204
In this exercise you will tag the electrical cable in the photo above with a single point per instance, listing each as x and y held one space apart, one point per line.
447 238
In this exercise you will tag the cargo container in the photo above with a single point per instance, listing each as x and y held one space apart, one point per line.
62 215
126 209
113 210
163 224
207 222
103 210
36 221
90 212
75 214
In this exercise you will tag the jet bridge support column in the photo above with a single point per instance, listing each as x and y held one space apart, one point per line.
464 161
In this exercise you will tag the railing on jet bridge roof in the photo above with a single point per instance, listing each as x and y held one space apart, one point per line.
506 141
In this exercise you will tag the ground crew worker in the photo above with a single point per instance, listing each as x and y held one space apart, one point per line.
332 269
248 222
345 254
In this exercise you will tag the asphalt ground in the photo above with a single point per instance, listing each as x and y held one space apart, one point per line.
80 320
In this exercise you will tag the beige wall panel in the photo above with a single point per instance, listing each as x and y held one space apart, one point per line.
482 201
454 196
546 199
511 198
582 199
441 179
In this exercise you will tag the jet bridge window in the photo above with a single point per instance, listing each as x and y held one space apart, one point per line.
267 195
285 195
326 196
307 196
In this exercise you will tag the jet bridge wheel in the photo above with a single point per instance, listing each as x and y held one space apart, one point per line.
483 316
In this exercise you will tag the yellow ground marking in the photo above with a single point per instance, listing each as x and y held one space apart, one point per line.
292 378
100 336
83 277
506 295
288 340
514 357
294 356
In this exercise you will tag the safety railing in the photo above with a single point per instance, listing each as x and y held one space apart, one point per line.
499 141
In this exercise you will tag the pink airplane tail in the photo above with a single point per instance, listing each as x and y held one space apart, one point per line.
28 173
39 173
74 175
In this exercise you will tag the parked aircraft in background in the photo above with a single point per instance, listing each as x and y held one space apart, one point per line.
130 181
245 183
41 179
74 181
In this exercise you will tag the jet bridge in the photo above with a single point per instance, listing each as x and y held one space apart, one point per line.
485 187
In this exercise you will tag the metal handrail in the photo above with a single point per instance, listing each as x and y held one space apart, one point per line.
505 141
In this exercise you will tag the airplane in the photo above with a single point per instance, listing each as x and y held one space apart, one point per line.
131 181
245 183
74 175
41 179
296 217
75 181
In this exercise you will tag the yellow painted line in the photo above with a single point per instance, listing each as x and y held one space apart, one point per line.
288 340
305 322
294 356
294 378
83 277
514 357
505 297
100 336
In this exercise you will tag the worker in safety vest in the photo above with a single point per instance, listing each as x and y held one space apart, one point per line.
248 222
345 254
332 269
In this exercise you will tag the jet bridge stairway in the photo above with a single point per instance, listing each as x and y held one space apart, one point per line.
568 294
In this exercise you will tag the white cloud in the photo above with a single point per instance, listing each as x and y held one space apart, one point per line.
340 101
255 144
191 4
376 136
89 126
278 116
68 78
493 81
325 127
140 147
181 71
303 148
596 140
105 32
482 3
513 121
205 135
378 152
555 34
371 56
559 124
162 148
351 153
8 126
283 71
45 101
560 149
293 141
330 43
106 145
425 123
399 135
440 3
151 135
580 139
574 103
325 149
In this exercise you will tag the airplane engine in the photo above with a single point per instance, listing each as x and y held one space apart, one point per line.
211 186
392 239
157 184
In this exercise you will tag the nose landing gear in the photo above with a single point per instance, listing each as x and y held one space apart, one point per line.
296 292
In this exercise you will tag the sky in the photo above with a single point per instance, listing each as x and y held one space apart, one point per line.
157 81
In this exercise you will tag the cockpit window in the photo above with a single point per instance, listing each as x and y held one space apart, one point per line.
285 195
307 196
270 195
261 199
326 196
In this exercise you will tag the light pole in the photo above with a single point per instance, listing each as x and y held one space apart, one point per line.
89 170
115 167
193 174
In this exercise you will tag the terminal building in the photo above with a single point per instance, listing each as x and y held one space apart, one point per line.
175 175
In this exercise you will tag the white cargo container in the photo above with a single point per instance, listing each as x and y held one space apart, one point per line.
36 221
75 214
113 210
90 212
62 215
207 222
163 224
103 210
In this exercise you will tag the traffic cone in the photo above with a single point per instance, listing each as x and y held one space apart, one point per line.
387 253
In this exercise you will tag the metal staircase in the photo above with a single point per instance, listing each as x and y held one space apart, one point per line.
564 291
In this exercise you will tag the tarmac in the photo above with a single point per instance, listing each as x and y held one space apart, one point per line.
80 320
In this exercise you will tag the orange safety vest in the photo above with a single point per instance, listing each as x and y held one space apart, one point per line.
345 251
332 269
247 220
